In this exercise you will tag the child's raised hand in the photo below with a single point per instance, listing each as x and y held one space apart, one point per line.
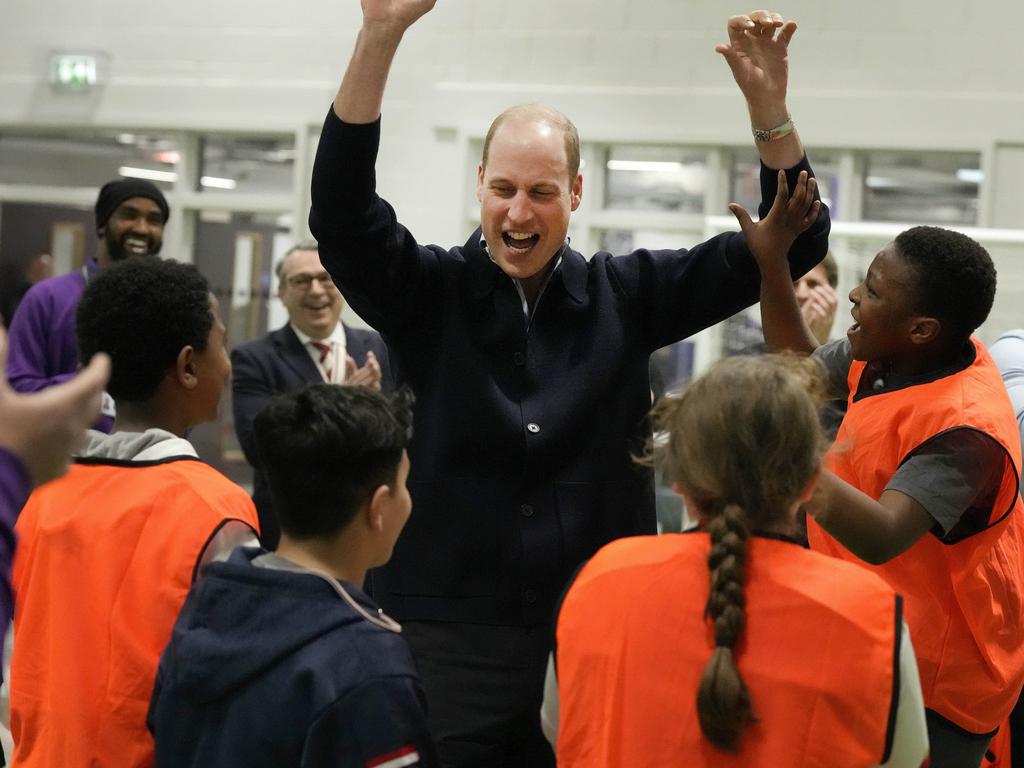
770 238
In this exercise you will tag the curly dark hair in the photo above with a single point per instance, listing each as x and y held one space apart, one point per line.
956 280
142 312
326 448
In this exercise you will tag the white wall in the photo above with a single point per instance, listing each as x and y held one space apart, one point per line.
942 75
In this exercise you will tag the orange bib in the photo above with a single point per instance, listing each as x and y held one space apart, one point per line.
964 603
105 559
817 655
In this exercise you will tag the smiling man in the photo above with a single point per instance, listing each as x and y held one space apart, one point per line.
530 367
130 219
312 346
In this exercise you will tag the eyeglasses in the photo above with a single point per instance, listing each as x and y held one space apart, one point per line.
305 282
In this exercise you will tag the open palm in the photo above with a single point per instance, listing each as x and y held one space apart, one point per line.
757 54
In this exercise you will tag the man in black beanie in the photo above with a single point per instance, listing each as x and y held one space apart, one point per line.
130 218
43 351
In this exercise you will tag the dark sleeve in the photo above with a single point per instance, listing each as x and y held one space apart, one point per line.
558 611
379 722
836 358
383 273
388 383
154 700
956 477
251 390
680 292
15 486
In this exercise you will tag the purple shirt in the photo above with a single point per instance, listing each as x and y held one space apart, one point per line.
42 349
14 490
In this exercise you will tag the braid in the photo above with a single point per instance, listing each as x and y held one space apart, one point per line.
723 701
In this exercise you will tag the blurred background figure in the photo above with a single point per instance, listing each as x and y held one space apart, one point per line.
816 294
314 345
16 281
130 218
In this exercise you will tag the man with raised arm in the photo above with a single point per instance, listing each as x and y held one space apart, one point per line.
529 365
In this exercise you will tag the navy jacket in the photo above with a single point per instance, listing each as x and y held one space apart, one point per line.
272 668
524 436
276 364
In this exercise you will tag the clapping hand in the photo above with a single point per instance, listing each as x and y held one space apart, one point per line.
367 376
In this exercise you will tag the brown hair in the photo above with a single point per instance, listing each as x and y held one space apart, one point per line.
743 442
543 114
831 269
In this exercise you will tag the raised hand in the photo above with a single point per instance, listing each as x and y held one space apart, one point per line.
769 241
44 428
770 238
361 93
757 55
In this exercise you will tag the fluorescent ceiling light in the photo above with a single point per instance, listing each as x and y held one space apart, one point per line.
217 182
882 182
657 166
970 175
279 155
146 173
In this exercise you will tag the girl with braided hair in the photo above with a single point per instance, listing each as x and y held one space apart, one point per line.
733 645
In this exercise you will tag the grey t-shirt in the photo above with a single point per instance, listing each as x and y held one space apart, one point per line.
955 475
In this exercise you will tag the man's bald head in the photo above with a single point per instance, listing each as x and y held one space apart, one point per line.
540 113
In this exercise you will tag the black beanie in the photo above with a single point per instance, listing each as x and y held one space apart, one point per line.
113 193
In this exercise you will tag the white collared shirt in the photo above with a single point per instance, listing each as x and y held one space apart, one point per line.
335 361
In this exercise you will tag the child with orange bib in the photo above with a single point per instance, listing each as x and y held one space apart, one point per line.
922 483
733 645
107 553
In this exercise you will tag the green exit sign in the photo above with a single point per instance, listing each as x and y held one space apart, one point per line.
73 71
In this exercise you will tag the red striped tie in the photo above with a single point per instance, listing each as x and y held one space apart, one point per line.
325 351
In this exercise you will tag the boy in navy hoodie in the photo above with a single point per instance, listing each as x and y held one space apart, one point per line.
280 659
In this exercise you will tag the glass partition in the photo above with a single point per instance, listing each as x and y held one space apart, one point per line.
922 187
656 178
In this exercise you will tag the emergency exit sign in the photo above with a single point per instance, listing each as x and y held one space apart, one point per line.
74 71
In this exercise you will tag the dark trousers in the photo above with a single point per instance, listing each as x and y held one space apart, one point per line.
1017 734
484 686
950 746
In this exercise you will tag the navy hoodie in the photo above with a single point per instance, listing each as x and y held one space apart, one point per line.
273 668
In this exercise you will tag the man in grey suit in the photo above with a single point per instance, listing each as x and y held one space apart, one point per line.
312 346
